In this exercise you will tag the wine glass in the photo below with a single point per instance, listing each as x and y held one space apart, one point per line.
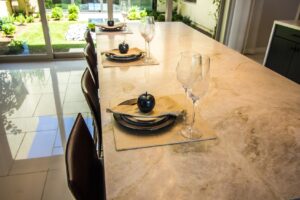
193 73
187 72
124 7
147 30
199 87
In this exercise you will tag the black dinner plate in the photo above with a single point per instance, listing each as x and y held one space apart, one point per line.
142 127
129 58
111 29
143 124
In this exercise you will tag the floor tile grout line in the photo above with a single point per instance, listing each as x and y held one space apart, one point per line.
43 191
9 171
37 106
26 173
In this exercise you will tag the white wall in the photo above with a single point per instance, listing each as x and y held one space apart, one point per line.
261 22
238 28
201 12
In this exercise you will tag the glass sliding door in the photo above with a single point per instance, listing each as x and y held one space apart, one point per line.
21 29
66 24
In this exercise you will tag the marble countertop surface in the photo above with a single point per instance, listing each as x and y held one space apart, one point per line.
254 111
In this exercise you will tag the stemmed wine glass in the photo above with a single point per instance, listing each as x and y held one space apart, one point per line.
193 73
124 7
147 30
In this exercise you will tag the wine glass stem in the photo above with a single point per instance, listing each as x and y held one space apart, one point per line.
148 50
193 116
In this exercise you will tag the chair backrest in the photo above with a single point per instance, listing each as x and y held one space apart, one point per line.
85 173
90 92
88 38
92 62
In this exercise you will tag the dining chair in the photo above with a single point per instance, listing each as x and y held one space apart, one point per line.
90 92
88 38
92 62
85 172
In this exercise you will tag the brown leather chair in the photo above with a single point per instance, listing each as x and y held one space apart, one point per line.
88 38
92 62
85 174
90 92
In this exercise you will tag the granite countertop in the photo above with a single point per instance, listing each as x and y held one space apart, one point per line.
254 111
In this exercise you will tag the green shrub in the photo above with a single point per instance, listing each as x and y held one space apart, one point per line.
177 17
186 20
91 26
135 13
161 18
73 9
143 13
57 13
29 19
15 46
20 19
8 20
73 16
49 4
62 5
36 15
9 29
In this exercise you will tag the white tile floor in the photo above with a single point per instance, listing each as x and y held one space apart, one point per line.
38 106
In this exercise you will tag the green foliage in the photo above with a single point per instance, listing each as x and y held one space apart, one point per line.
177 17
73 9
1 23
135 13
49 4
143 13
186 20
62 5
73 16
21 19
15 46
161 18
91 26
9 19
29 19
36 15
9 29
57 13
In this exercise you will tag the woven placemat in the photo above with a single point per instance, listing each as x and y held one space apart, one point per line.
126 139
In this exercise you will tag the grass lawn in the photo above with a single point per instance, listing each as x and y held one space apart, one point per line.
34 37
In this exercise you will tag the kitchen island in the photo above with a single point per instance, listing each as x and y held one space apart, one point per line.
254 111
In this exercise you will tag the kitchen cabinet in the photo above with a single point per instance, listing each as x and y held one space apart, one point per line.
283 54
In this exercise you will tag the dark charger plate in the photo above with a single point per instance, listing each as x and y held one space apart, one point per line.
130 58
143 124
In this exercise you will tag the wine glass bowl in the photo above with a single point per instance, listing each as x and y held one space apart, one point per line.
193 73
124 8
147 31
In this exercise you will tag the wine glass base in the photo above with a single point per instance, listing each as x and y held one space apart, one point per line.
148 60
191 133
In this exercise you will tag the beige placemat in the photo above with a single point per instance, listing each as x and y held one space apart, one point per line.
126 139
141 62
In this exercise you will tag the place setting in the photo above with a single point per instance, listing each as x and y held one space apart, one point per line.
125 55
114 27
149 120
